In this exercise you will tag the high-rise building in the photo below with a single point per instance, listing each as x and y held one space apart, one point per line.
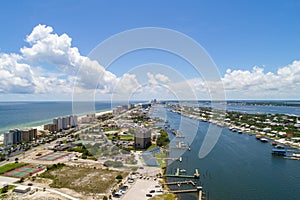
12 137
29 135
50 127
73 120
65 123
142 137
58 122
8 139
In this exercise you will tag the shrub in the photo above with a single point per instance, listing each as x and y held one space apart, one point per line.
119 177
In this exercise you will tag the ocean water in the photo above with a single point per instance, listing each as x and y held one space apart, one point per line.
29 114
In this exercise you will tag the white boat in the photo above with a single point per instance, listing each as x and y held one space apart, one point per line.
263 140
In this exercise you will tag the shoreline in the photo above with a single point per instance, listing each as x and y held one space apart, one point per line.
40 127
248 131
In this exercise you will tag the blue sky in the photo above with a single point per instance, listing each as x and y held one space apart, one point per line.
238 35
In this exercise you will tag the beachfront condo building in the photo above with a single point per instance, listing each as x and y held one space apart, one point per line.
16 136
50 127
58 122
62 123
29 135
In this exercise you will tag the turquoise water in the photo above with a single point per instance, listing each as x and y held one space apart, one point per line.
29 114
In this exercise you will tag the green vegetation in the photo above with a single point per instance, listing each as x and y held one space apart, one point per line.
160 159
81 179
10 166
140 117
120 137
82 149
164 197
119 177
115 164
55 166
105 117
163 140
5 189
110 129
105 198
151 147
277 122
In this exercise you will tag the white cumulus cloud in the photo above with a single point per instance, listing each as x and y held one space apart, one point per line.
256 83
50 64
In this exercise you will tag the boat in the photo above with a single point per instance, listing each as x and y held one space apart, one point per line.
240 132
278 152
264 140
274 143
258 137
182 170
196 174
278 146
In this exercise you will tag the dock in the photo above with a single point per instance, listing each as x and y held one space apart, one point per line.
181 182
198 189
178 175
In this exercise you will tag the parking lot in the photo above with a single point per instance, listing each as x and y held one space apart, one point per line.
140 188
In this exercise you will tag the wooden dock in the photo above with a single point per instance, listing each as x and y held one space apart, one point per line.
178 175
184 191
181 182
198 189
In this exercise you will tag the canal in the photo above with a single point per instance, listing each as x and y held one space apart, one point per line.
238 167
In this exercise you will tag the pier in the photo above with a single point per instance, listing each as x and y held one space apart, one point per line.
178 175
181 182
198 189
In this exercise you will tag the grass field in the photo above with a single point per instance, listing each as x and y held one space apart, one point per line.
10 166
160 159
164 197
83 180
122 137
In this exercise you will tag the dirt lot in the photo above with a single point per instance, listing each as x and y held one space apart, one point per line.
83 180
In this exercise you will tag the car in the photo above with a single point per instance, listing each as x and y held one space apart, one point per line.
117 195
157 186
130 181
29 184
148 195
151 191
